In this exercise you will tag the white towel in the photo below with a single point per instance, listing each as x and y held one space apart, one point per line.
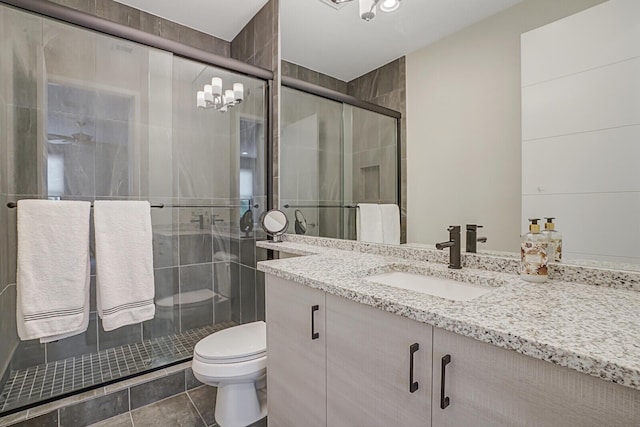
390 224
53 269
369 223
124 262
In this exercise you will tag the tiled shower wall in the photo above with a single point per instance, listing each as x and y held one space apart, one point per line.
258 43
187 258
8 335
386 86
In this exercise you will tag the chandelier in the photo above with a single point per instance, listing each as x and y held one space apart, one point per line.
212 96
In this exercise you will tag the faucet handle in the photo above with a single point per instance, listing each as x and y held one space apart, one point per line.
473 227
454 228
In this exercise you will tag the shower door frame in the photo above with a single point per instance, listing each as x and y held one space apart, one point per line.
333 95
93 23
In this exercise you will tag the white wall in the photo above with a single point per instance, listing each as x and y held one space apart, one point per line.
464 127
581 129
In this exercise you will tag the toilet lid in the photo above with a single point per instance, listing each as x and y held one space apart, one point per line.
234 343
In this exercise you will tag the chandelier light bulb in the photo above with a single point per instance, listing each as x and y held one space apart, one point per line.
216 84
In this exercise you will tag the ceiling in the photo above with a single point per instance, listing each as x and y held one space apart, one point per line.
339 43
221 18
333 42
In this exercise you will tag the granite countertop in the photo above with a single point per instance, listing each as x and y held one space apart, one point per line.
591 329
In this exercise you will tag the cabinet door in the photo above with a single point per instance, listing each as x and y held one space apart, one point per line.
296 375
490 386
368 367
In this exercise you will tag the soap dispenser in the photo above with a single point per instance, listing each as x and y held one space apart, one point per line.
533 254
555 240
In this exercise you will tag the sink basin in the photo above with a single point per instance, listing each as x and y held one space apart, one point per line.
436 286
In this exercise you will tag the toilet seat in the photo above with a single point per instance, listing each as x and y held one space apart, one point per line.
238 344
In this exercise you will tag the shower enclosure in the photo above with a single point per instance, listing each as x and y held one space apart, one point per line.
87 116
334 155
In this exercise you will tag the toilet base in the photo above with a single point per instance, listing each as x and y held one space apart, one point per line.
239 405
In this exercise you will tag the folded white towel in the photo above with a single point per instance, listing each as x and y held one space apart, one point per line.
124 262
369 223
390 224
53 269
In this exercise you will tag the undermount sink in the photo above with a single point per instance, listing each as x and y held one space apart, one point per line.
436 286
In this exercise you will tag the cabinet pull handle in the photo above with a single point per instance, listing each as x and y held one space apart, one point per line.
444 400
413 385
314 335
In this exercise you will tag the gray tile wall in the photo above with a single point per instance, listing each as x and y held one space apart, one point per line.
386 86
299 72
258 43
140 20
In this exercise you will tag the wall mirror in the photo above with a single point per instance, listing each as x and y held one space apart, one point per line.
497 130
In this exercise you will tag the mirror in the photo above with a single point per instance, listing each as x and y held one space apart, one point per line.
275 223
473 151
301 222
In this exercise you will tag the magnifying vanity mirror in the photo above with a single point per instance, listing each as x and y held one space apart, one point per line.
274 223
518 109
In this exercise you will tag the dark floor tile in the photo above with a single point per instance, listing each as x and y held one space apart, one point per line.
172 412
190 380
155 390
123 420
46 420
204 398
95 410
260 423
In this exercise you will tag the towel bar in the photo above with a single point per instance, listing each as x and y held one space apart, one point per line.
12 205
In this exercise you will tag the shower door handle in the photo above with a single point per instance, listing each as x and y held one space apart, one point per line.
314 335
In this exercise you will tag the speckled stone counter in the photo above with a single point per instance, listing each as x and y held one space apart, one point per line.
591 329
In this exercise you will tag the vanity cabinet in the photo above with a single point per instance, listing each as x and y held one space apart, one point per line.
296 359
490 386
365 367
334 362
378 367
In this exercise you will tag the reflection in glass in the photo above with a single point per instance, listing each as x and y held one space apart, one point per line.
334 156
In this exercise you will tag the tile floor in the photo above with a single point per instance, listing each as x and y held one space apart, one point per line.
48 380
193 408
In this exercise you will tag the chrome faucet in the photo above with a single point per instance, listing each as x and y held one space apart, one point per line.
473 239
454 247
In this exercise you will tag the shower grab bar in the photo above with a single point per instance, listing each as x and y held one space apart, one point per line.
12 205
320 206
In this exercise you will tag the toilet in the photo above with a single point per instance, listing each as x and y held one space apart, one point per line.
235 361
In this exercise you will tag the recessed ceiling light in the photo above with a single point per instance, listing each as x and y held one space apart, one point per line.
389 5
245 153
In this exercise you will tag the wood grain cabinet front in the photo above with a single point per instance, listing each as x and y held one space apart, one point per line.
487 386
343 363
296 354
